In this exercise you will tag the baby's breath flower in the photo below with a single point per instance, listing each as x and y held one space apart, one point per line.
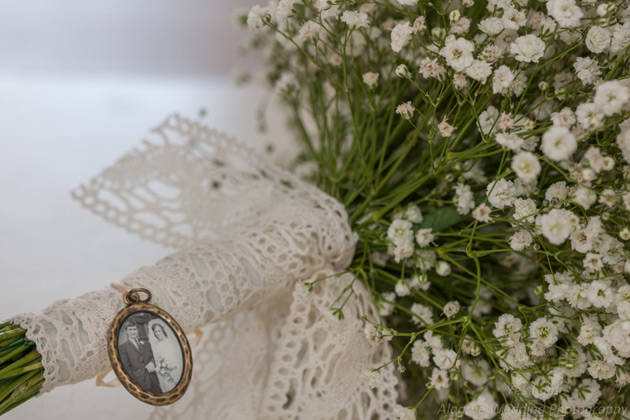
611 96
327 9
589 116
587 70
492 26
513 18
525 209
445 359
404 413
451 309
406 110
386 306
302 290
479 70
446 130
601 370
402 288
502 80
584 197
528 48
372 378
555 226
544 330
420 353
310 30
521 240
424 315
431 68
255 17
526 166
510 140
599 293
461 26
413 214
355 19
419 25
424 237
464 197
501 193
482 213
460 82
370 78
458 53
372 334
482 408
558 143
598 39
401 35
476 371
439 379
565 12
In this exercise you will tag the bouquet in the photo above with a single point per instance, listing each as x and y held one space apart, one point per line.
164 368
482 150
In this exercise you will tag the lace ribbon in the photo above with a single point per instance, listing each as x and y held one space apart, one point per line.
247 232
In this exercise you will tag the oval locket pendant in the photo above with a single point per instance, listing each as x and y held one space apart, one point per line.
149 351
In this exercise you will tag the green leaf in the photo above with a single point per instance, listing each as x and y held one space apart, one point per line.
442 219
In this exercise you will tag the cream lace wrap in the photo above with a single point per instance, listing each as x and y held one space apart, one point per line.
247 232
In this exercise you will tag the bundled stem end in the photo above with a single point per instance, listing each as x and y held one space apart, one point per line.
21 371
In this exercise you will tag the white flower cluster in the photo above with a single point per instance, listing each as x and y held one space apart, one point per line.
403 237
491 144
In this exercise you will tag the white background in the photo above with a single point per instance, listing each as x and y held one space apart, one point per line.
80 84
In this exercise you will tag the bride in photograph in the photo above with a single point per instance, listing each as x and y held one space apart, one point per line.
167 354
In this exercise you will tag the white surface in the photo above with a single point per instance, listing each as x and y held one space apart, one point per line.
56 134
122 36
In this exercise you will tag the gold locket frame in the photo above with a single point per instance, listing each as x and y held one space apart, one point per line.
136 305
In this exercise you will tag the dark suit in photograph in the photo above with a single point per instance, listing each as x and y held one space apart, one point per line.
134 361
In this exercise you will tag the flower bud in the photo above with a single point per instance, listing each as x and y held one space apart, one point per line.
588 174
604 9
609 163
450 38
402 71
454 16
438 32
475 351
624 234
443 268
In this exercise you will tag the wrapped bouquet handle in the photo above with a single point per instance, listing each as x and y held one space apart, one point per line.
246 233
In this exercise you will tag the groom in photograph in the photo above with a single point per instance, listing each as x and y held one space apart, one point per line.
137 359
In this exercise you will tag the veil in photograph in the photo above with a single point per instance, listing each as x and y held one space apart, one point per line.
167 354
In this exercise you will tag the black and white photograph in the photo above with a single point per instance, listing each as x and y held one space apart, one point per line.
150 352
